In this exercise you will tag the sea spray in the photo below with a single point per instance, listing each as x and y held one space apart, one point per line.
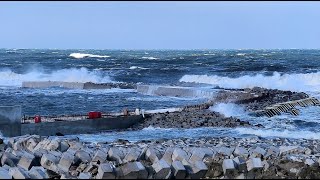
293 82
82 55
10 78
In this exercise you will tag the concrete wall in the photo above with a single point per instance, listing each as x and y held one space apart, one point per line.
175 91
47 84
10 120
76 85
79 127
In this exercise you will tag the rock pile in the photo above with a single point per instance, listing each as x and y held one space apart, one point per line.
38 157
190 119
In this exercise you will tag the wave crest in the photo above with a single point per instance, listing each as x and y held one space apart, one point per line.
294 82
10 78
137 67
149 58
82 55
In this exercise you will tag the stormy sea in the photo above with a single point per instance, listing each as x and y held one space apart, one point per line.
284 69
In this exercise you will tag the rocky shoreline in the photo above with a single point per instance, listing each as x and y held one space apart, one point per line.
59 157
199 116
38 157
190 119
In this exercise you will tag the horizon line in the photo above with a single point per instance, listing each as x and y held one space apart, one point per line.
153 49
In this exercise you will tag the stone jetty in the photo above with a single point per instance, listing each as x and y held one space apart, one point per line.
257 101
76 85
35 157
60 157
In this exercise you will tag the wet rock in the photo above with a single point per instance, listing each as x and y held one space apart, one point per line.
167 156
152 155
84 175
82 166
27 161
130 170
308 151
66 161
229 168
258 152
310 162
133 155
105 171
9 159
179 155
273 151
266 165
143 173
197 156
254 164
240 151
50 162
53 145
4 173
75 145
82 156
31 144
196 170
92 168
38 172
99 156
178 170
162 169
115 154
63 146
240 164
18 173
287 149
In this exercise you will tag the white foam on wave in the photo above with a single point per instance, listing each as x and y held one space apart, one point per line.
229 109
295 134
10 78
241 54
82 55
309 82
137 67
151 128
150 58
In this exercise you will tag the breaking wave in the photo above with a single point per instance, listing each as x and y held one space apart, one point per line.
280 133
10 78
81 55
150 58
229 109
137 67
295 82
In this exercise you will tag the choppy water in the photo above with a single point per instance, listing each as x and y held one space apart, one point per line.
296 70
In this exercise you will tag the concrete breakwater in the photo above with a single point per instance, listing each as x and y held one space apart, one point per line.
38 157
176 91
190 119
254 100
76 85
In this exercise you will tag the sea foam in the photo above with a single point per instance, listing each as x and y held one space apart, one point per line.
295 134
295 82
137 67
229 109
150 58
10 78
82 55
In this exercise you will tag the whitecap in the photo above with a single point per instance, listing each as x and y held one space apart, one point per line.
309 82
137 67
10 78
82 55
149 58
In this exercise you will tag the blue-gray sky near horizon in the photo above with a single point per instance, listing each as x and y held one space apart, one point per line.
160 25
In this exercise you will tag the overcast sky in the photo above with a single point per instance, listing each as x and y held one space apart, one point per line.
160 25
